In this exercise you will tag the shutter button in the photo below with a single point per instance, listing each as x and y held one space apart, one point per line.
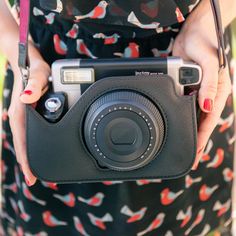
53 104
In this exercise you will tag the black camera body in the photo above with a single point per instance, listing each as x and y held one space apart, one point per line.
125 120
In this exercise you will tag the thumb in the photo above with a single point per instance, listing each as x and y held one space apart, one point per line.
34 89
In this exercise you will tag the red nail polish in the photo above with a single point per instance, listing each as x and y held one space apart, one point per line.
208 104
27 181
26 92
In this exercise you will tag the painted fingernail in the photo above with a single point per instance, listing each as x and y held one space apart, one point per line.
208 104
26 92
27 182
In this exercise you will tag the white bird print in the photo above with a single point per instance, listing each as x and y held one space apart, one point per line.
132 18
98 12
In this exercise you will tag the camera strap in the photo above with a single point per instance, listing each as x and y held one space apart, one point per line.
23 58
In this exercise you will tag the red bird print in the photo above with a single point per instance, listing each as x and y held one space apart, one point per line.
50 185
14 205
68 199
3 169
99 222
156 223
134 216
167 197
98 12
108 39
59 46
206 156
150 8
30 196
179 15
79 226
73 32
147 181
95 200
226 123
49 19
132 51
51 220
20 231
189 181
8 146
206 192
217 160
221 208
83 49
4 115
197 221
12 187
185 217
17 176
231 140
228 174
26 217
163 53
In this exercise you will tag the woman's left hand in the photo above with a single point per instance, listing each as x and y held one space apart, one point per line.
197 42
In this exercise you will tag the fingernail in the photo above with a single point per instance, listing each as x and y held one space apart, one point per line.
208 104
27 182
26 92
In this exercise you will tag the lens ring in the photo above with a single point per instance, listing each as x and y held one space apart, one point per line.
132 107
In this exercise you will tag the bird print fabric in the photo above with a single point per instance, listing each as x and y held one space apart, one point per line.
194 205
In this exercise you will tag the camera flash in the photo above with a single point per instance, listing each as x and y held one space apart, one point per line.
77 75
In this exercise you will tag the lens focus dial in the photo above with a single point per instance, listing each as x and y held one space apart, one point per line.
123 130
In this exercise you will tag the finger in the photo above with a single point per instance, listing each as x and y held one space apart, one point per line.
208 61
208 121
16 119
35 88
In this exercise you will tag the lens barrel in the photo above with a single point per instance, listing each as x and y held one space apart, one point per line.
123 130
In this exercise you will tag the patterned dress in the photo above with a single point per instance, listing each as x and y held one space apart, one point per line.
196 204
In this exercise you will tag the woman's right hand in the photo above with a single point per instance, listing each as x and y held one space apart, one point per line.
37 85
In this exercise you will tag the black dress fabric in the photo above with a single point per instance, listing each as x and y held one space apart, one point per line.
194 205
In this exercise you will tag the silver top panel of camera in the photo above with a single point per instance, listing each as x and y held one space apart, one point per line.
173 66
71 77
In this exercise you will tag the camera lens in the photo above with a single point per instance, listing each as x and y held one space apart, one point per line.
123 130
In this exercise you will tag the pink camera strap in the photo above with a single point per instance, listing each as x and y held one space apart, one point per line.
23 60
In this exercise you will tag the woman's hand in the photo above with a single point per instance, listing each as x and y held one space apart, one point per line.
197 42
37 85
